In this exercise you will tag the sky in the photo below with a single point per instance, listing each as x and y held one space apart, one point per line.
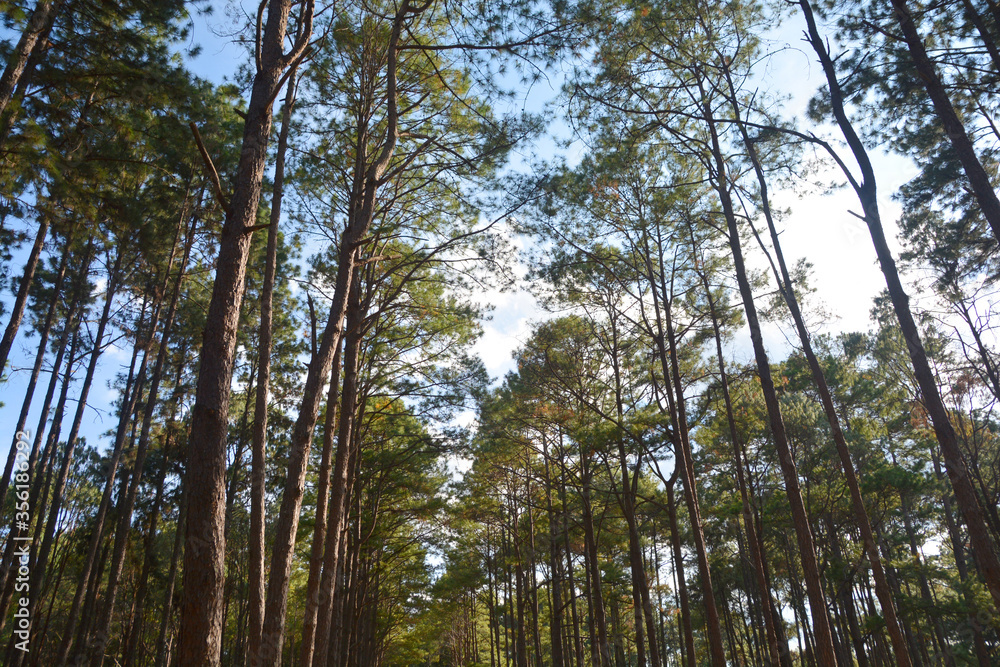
819 227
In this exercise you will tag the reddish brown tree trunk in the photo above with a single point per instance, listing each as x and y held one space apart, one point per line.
825 653
204 555
43 344
17 312
264 345
982 188
40 17
965 494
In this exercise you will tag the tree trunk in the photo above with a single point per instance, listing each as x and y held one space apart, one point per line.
556 622
757 558
168 598
40 491
787 289
148 561
18 59
94 647
826 655
264 345
965 494
34 471
982 188
675 542
601 650
322 512
17 312
682 447
36 508
114 278
43 344
204 555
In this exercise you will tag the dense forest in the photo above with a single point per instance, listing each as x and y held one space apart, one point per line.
245 420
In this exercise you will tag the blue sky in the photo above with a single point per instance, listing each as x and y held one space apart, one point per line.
818 227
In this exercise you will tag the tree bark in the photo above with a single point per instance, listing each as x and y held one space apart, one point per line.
43 344
168 598
204 555
984 549
264 345
826 654
979 180
17 312
44 10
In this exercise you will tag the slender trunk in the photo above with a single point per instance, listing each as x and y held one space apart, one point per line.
520 644
8 118
555 607
264 344
40 565
168 597
322 512
682 447
95 646
205 552
925 589
43 344
675 542
133 389
784 280
601 650
634 556
979 180
148 561
39 497
532 583
826 655
35 507
578 646
18 59
286 526
341 478
17 312
845 597
130 399
985 550
36 468
774 650
958 550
